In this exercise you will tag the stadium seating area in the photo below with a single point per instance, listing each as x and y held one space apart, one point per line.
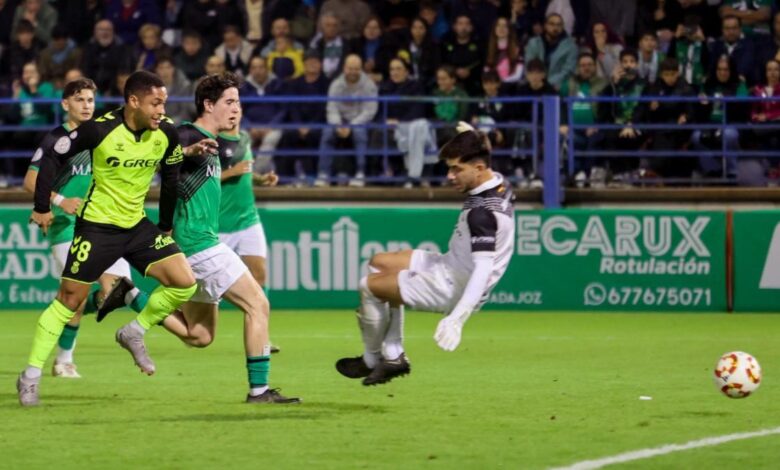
353 92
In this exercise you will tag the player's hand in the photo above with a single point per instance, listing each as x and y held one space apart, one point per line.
42 220
447 334
267 179
201 148
70 205
242 167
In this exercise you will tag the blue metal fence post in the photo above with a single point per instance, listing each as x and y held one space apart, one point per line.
551 194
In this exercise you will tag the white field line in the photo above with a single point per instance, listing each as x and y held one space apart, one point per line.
667 449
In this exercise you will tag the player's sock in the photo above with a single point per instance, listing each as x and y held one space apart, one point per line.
257 368
162 302
373 319
136 299
91 304
394 339
51 323
66 344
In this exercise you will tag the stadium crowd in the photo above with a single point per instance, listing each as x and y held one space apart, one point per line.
448 49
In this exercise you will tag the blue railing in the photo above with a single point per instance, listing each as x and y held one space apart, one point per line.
545 112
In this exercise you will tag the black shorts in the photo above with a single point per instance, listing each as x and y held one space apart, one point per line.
96 247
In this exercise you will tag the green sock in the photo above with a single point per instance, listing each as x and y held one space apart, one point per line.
257 368
162 302
139 302
91 305
68 337
50 325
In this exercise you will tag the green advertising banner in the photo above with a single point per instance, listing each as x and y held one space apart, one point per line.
757 261
575 259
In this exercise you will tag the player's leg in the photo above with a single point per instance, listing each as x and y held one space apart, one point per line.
247 295
64 365
156 255
120 292
390 262
195 323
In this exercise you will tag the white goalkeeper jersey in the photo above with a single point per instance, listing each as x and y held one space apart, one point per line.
486 224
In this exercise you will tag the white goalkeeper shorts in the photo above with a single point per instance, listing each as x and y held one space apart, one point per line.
216 269
248 242
430 284
59 254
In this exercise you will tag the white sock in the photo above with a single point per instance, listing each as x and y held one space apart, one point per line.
394 339
137 327
255 391
32 372
373 319
131 295
65 356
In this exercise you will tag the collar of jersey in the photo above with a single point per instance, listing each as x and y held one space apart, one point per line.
489 184
229 137
200 129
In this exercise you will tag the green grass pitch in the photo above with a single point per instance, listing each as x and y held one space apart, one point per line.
522 391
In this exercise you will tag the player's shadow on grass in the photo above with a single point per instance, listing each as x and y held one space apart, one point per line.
307 411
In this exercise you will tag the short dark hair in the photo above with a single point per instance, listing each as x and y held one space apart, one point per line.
467 147
490 76
191 33
75 86
448 69
731 17
669 64
231 29
24 26
629 52
162 58
212 87
585 55
141 83
60 31
535 65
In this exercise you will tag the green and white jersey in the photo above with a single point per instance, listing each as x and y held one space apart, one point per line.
237 210
123 164
196 217
72 180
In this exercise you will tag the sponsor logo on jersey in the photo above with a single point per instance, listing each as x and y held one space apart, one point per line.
162 241
62 145
213 171
176 157
477 240
137 163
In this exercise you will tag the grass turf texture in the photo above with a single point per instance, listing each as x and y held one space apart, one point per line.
523 391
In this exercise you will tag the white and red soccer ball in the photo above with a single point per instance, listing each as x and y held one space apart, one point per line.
737 374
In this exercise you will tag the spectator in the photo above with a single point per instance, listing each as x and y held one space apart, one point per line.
769 47
352 14
723 82
436 22
690 49
118 86
190 58
461 50
150 48
129 16
41 16
649 58
482 13
229 14
104 55
24 49
563 8
61 55
330 45
503 53
285 52
605 46
7 13
235 50
263 115
312 83
764 112
374 50
556 49
736 46
413 133
659 18
450 107
672 113
620 15
754 14
527 17
353 83
215 65
254 12
421 53
487 113
584 84
280 28
79 17
627 84
201 16
177 85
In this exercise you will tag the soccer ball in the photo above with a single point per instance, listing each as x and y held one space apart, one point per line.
737 374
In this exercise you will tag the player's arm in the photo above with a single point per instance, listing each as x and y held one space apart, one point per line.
68 204
169 178
483 227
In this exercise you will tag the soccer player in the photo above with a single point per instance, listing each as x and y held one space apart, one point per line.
219 271
457 283
70 185
126 145
239 225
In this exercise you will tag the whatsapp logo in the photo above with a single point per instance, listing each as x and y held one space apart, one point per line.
594 294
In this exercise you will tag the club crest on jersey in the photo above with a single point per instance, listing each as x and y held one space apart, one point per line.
120 147
176 157
62 145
